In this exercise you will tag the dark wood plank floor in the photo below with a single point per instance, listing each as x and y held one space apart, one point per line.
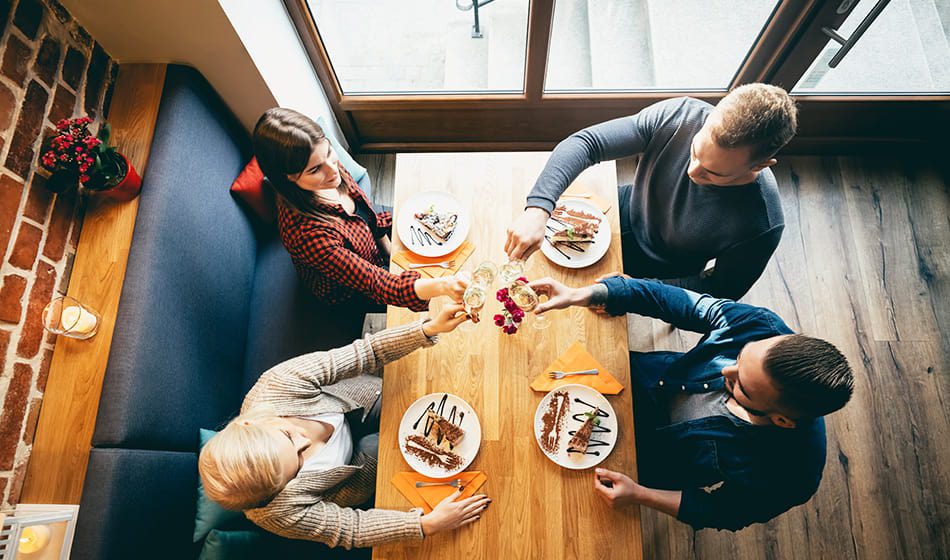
864 263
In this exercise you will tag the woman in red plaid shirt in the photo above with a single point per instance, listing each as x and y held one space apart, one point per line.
338 243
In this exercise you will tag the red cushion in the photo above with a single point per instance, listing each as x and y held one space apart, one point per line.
249 187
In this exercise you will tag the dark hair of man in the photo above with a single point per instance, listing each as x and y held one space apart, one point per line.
284 140
813 377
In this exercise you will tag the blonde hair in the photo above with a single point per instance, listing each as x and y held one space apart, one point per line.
760 116
240 465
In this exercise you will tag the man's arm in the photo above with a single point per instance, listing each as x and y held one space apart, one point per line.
737 268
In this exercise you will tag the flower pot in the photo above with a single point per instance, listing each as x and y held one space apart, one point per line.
128 188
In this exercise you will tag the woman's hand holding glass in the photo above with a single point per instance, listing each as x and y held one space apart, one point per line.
446 320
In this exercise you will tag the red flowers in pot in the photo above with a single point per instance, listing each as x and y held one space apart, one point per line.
75 157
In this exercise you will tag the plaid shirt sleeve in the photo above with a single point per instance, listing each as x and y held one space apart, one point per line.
384 220
323 248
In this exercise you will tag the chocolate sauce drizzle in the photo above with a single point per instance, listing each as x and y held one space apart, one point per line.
596 430
573 246
422 237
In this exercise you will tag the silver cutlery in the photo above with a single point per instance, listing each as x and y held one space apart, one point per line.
453 483
563 374
443 264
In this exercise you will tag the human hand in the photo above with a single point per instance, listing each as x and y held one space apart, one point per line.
454 286
450 515
526 233
617 489
559 295
451 316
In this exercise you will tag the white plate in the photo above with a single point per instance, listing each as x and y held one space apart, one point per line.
414 422
420 202
579 259
602 442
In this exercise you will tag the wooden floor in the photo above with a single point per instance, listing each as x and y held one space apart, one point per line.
864 263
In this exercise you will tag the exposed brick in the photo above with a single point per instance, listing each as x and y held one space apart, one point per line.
11 298
26 246
46 64
29 14
42 293
7 107
61 13
42 376
4 344
10 192
14 408
56 233
28 127
3 485
16 59
95 78
64 105
16 484
32 415
80 34
107 99
4 14
74 67
39 200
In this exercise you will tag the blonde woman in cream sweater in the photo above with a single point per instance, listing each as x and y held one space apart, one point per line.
295 462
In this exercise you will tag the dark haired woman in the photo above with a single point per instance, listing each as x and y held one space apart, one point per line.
339 245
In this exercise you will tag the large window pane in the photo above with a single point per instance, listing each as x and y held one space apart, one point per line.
651 44
423 46
904 51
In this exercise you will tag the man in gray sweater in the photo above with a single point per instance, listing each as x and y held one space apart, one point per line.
702 191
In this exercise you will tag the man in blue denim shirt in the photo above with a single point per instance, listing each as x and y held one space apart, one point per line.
730 433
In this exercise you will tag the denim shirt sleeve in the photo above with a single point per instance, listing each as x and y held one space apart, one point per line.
679 307
734 505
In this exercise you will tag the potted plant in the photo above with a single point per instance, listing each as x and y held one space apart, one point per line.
75 157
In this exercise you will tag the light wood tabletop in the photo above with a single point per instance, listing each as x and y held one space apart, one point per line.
538 510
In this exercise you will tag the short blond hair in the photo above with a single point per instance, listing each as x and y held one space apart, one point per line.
240 465
760 116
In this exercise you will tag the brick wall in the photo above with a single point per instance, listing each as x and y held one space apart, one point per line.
50 69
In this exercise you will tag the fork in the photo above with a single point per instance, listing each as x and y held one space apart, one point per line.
563 374
453 483
575 195
443 264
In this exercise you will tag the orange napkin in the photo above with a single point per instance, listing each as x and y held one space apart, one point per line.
406 257
594 199
428 497
576 359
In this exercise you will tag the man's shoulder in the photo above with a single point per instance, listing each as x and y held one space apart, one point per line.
682 108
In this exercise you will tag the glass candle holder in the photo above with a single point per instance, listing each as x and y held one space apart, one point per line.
68 317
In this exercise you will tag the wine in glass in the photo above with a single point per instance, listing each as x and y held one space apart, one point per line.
528 300
511 271
485 274
474 300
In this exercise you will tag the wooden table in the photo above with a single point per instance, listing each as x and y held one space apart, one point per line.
539 510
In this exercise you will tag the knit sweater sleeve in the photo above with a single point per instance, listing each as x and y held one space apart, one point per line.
299 376
334 526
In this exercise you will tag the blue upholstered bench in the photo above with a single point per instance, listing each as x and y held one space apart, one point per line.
210 301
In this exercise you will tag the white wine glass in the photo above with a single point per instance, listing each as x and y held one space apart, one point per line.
485 274
527 299
511 271
473 299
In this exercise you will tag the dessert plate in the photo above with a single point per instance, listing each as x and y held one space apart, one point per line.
564 255
419 446
561 412
417 238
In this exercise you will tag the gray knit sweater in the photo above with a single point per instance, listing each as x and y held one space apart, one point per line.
317 505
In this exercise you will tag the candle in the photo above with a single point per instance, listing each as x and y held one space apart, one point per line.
33 539
76 320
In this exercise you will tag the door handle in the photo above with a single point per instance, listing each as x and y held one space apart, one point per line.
848 44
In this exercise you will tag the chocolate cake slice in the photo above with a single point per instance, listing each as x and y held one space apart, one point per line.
452 433
581 439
